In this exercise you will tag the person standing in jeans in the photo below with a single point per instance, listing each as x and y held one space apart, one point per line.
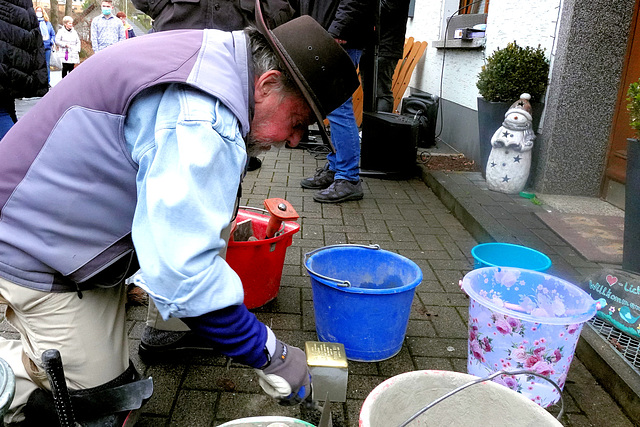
48 36
350 22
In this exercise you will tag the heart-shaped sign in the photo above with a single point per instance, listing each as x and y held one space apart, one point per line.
611 280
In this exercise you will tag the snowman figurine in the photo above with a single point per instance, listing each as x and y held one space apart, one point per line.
510 159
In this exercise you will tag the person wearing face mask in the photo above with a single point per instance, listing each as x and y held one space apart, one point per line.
48 36
106 29
69 43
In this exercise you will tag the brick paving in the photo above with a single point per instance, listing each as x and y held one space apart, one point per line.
401 216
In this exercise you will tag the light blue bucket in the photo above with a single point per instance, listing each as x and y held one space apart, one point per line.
509 255
362 298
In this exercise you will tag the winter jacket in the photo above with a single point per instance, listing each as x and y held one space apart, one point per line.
48 33
68 196
23 69
349 20
70 38
128 31
226 15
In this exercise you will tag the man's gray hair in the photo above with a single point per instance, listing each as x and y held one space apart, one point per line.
265 59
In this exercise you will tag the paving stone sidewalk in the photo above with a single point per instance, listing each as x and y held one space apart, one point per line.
401 216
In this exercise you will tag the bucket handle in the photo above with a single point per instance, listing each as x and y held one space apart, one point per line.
268 214
341 283
479 380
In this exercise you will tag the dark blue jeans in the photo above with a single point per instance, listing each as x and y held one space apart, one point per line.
7 117
345 136
47 54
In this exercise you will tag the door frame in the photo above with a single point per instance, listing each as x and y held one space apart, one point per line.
620 129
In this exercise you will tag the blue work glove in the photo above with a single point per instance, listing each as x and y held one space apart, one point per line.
286 377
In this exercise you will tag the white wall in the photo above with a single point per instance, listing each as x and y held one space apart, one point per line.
528 22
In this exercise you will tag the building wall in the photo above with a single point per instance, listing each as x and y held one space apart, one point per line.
581 99
529 23
586 44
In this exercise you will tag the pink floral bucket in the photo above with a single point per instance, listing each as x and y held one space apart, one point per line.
524 319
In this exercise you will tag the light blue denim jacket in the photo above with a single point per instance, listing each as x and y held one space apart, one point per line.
191 156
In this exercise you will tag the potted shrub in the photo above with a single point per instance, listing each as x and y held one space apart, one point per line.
631 244
507 74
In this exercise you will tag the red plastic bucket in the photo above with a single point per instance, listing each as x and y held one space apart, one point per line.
259 263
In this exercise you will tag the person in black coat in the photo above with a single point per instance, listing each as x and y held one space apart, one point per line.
393 26
23 68
349 21
225 15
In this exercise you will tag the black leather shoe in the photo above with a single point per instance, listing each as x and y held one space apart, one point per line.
254 163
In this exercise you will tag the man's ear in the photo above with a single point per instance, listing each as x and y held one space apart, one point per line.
265 84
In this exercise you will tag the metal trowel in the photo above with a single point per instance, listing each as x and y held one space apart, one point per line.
243 231
325 418
315 413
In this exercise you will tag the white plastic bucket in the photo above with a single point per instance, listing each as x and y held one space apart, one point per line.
7 387
397 399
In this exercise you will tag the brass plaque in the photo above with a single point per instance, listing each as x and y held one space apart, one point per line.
327 354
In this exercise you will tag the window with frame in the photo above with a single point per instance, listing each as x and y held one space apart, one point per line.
468 7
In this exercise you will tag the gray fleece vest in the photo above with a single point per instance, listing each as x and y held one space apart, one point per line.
67 181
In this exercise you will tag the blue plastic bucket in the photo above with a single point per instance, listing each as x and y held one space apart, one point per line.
362 298
509 255
524 319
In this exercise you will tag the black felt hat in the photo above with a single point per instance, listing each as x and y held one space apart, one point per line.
321 69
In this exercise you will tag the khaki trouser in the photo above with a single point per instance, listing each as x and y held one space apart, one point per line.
90 334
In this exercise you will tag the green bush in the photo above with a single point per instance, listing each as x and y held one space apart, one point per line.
512 71
633 96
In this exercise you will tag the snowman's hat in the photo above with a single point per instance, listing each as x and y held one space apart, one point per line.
521 106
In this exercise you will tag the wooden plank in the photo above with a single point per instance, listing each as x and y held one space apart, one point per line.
404 79
358 102
412 53
397 74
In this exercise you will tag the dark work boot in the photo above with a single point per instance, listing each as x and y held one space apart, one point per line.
340 191
322 179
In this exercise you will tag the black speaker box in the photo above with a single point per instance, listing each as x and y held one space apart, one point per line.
423 107
389 145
